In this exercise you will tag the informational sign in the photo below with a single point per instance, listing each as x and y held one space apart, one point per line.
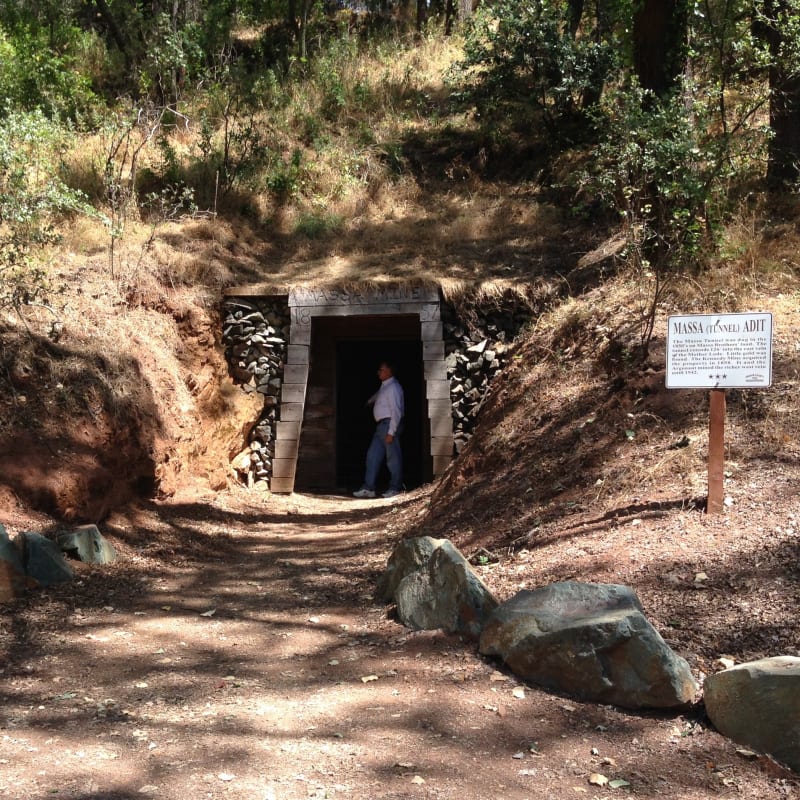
719 351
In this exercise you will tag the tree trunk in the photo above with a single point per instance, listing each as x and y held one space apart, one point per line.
783 166
422 14
660 29
574 14
449 17
114 30
784 119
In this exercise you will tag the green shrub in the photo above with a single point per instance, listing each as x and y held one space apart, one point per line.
524 55
285 177
32 199
33 76
316 225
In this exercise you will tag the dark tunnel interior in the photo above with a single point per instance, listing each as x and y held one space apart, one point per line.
357 363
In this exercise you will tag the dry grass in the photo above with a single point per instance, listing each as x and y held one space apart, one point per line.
573 424
429 218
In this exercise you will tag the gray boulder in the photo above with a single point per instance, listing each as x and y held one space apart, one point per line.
408 556
88 544
758 705
434 587
12 570
591 641
44 561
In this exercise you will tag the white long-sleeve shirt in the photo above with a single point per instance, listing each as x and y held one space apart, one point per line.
389 404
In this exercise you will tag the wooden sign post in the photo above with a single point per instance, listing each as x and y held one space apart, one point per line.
718 352
716 452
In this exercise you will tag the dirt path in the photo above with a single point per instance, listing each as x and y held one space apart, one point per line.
236 651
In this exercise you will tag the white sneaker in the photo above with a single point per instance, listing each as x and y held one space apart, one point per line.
364 493
391 493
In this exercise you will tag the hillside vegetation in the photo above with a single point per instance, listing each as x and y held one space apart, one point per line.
233 149
153 155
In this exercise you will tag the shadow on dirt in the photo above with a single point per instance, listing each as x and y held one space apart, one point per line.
80 426
224 630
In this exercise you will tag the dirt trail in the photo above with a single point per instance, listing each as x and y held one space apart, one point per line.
237 651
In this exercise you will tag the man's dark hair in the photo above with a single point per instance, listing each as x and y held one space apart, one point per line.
390 364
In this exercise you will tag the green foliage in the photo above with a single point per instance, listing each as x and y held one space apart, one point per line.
285 177
33 76
233 148
652 168
316 225
522 55
32 199
669 169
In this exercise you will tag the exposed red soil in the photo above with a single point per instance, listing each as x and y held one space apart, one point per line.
124 684
237 651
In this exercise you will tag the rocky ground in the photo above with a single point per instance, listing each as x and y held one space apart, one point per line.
236 650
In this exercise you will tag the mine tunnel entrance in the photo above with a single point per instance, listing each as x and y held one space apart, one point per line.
338 425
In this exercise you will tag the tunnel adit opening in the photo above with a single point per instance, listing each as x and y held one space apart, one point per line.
337 423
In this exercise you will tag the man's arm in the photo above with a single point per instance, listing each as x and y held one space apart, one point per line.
396 409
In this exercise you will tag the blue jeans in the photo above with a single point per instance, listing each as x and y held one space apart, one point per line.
378 450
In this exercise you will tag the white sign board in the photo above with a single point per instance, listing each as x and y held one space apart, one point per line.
719 351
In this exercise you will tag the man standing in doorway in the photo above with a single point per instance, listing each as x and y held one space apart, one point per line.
388 408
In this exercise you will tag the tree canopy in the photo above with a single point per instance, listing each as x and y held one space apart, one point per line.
672 109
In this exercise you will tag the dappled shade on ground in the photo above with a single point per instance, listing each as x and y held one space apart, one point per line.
238 649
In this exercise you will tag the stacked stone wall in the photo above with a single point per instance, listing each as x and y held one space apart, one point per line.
477 339
255 334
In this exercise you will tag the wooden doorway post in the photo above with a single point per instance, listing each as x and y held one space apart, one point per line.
716 452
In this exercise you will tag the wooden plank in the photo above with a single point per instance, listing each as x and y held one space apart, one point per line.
317 439
437 390
440 464
287 430
300 334
286 448
435 370
281 485
442 446
372 310
320 395
291 412
431 331
430 312
441 426
298 354
293 393
283 467
716 452
432 351
320 411
295 373
330 298
440 408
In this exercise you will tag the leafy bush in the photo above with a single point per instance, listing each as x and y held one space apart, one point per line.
520 54
33 76
32 198
670 170
316 225
285 177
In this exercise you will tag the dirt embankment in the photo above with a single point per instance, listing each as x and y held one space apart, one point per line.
116 407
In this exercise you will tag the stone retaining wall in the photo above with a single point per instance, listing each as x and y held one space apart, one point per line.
477 343
256 334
